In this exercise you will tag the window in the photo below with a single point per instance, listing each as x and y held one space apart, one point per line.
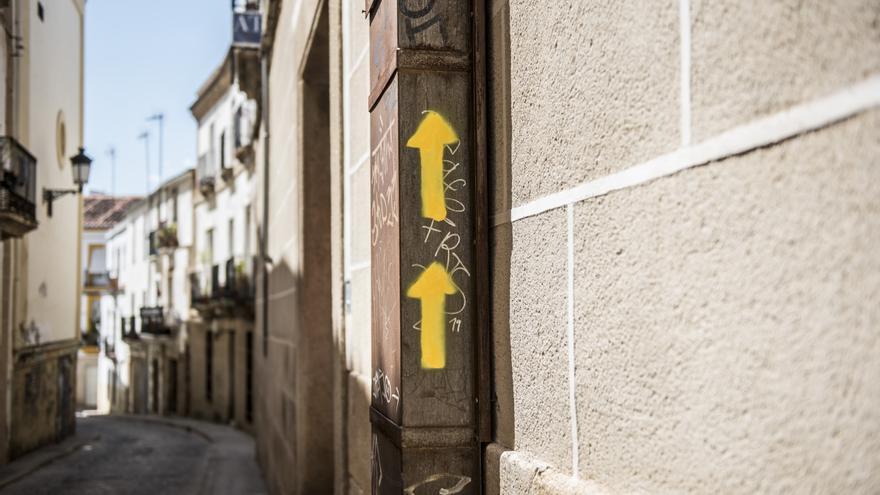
223 150
247 232
211 145
231 365
155 386
172 386
209 367
209 247
170 288
249 378
97 259
174 205
231 237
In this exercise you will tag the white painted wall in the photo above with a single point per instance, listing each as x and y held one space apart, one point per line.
230 201
138 273
51 70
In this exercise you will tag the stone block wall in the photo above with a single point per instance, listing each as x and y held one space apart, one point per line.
685 276
43 403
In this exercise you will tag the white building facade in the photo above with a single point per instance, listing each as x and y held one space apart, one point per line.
221 341
40 129
100 214
149 257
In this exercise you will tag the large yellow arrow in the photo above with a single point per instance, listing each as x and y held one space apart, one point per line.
433 134
432 287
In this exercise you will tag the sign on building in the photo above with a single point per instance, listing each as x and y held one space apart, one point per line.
246 28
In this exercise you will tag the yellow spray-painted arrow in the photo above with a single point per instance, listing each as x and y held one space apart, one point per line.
432 287
433 134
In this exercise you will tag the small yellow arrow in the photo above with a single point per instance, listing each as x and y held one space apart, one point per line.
432 287
433 134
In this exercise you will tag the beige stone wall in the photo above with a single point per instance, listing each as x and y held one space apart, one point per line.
356 74
294 404
684 276
222 331
199 405
51 91
43 397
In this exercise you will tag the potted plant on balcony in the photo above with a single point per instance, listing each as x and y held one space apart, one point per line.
91 337
168 237
241 279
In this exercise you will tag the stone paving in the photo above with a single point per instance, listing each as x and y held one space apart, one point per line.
139 455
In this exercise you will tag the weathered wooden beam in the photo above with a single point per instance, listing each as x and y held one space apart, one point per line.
426 327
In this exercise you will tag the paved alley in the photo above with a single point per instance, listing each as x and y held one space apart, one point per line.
139 455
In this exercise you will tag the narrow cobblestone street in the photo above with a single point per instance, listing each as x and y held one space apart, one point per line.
144 455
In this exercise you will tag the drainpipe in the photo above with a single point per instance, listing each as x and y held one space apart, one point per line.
264 83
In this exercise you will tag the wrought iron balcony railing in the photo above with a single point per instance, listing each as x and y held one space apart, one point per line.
164 238
96 281
225 288
197 289
92 337
153 321
18 189
206 171
216 286
108 347
129 332
238 284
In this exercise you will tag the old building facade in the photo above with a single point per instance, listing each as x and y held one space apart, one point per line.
42 49
221 339
498 246
147 314
659 221
96 372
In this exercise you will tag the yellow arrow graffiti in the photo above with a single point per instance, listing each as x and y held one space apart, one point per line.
433 134
432 287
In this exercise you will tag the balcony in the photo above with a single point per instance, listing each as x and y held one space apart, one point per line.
129 332
206 172
18 189
153 321
238 284
99 281
165 238
108 348
243 129
91 337
226 290
197 292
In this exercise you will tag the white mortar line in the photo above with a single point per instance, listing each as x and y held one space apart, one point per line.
761 132
346 153
282 293
570 335
359 266
684 16
346 179
361 161
357 63
288 245
281 210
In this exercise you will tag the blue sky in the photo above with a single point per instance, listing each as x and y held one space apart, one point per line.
144 57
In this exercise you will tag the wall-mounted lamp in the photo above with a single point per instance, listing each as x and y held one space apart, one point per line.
82 166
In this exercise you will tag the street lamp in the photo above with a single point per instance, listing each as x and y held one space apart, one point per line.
82 166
